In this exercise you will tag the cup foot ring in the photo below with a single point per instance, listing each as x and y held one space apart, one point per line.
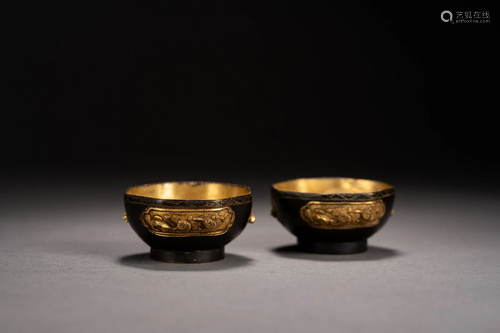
187 257
333 248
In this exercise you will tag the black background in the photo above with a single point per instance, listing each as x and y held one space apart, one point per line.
348 89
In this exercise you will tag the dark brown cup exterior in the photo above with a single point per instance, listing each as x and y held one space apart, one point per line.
136 205
287 207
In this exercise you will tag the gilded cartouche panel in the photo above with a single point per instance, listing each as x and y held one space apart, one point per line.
342 215
176 222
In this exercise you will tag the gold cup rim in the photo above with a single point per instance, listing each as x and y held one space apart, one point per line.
334 188
188 191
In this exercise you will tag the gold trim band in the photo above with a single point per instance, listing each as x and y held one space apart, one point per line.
341 197
195 204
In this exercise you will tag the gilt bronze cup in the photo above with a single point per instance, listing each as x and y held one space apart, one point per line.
188 222
332 215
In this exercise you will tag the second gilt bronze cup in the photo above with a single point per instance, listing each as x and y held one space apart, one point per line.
332 215
188 222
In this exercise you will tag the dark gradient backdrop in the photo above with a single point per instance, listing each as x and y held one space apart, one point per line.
112 95
354 89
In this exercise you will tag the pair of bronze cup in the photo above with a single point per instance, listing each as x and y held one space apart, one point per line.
191 222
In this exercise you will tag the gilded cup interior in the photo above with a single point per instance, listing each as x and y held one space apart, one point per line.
189 191
331 185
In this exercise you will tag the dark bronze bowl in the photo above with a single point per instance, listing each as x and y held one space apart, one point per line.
188 222
332 215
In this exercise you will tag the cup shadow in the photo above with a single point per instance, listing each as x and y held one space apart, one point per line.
144 261
373 253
